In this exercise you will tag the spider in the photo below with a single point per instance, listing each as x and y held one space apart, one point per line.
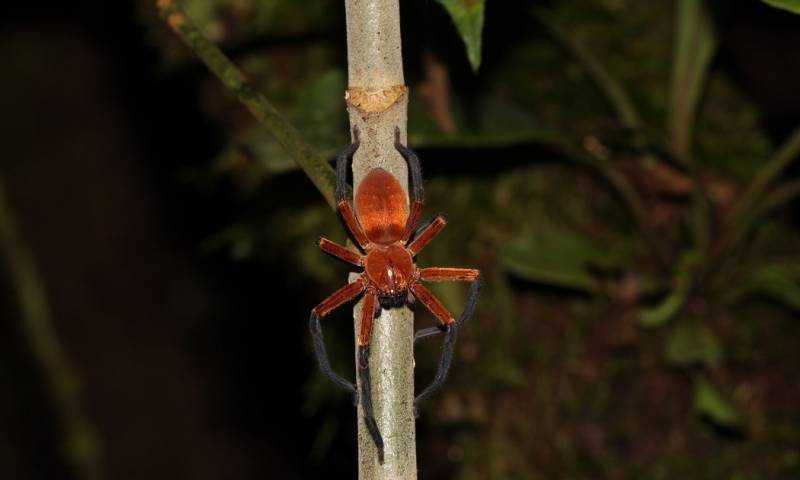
382 226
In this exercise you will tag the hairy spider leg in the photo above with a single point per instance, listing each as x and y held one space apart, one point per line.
417 191
340 252
472 295
364 338
345 209
335 300
446 274
449 326
427 233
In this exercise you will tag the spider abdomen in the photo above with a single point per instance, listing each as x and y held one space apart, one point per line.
382 207
390 269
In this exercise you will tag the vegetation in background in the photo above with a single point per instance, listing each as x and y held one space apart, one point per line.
621 196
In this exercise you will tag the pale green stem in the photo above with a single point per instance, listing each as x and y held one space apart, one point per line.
81 448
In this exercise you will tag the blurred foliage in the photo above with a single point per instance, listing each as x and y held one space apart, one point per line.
603 346
790 5
468 18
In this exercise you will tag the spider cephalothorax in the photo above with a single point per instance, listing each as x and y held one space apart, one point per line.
382 226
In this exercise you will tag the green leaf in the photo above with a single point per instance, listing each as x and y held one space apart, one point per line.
789 5
709 403
557 256
692 343
778 282
694 48
468 18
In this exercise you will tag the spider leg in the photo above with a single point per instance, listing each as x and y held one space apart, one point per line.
364 338
448 325
335 300
427 233
452 275
418 193
340 252
345 209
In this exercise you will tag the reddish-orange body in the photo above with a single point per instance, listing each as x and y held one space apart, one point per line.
383 212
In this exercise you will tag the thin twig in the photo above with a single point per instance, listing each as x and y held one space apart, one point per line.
81 448
312 163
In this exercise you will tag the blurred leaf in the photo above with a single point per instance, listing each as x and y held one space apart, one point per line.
557 256
320 109
778 282
672 303
468 18
664 311
729 137
693 343
790 5
695 43
709 403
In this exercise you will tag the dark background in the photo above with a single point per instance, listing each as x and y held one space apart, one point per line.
194 362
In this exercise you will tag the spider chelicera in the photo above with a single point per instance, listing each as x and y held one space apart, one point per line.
382 226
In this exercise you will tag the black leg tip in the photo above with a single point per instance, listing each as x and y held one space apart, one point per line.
396 136
356 137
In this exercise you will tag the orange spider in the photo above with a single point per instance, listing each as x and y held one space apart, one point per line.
382 227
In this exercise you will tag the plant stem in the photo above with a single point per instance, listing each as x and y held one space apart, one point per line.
786 154
779 197
756 202
81 448
377 104
312 163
